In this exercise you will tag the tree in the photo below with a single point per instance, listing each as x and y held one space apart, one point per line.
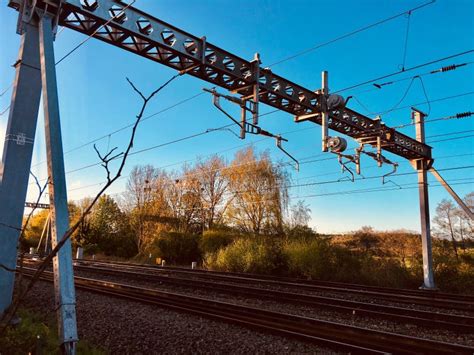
143 199
35 228
366 238
109 229
81 237
212 186
444 222
259 193
300 214
185 203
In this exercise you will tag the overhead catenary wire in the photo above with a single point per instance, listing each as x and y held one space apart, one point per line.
404 71
5 110
3 92
111 133
181 139
407 90
6 89
451 139
350 34
379 86
407 32
80 44
195 135
460 115
302 163
469 180
451 97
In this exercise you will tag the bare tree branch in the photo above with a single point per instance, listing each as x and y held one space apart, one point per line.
110 180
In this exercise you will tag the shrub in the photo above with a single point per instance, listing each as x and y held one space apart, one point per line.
319 259
254 255
213 240
178 248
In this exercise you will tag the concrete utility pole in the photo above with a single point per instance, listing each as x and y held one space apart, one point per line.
422 166
35 71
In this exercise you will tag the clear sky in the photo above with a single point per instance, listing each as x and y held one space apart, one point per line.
96 100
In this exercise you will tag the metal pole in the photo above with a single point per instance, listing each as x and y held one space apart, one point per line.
62 263
324 112
17 152
45 227
458 199
422 167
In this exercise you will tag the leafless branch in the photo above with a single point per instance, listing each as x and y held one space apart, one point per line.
110 180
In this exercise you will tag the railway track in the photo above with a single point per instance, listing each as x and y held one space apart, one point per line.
334 335
416 297
403 315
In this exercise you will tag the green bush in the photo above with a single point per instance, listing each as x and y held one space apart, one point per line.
453 274
178 248
253 255
213 240
321 260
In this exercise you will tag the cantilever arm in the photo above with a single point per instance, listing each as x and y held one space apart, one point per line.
344 164
278 142
460 202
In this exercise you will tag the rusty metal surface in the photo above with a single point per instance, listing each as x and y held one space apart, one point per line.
152 38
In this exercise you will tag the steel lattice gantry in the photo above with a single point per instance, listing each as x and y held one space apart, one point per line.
126 27
121 25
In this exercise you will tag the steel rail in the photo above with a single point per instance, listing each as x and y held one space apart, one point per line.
331 334
399 314
419 297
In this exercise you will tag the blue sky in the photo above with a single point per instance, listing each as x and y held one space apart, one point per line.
96 100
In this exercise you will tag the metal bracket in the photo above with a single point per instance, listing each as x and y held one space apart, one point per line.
28 8
380 161
344 166
278 143
247 127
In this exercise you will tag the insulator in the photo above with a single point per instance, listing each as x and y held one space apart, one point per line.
448 68
464 114
337 144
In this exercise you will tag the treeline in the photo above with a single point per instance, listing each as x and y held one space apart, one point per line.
248 195
236 216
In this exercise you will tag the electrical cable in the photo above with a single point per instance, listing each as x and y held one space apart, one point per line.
6 90
350 192
350 34
406 41
406 70
456 116
431 101
4 111
125 127
451 139
94 33
201 134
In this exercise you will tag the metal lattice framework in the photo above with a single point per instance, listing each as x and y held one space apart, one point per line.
121 25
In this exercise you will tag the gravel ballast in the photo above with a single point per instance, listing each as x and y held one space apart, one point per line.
125 327
318 313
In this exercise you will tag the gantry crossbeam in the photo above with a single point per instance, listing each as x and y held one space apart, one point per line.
113 22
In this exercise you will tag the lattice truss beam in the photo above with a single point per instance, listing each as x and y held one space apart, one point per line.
113 22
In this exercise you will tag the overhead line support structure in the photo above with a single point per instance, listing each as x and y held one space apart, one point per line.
117 23
422 166
152 38
36 74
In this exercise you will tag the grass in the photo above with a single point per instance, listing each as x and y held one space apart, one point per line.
34 335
